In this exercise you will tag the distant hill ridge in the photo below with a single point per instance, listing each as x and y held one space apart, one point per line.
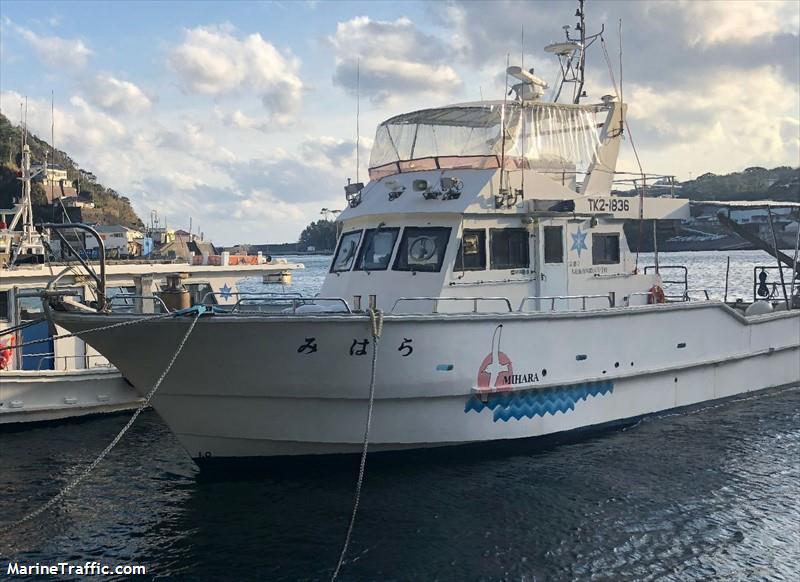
110 206
754 183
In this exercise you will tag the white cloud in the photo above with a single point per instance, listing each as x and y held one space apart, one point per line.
733 21
55 51
214 61
705 129
239 120
260 206
183 181
79 129
117 96
396 59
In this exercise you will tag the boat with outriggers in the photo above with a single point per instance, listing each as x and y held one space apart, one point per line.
48 380
482 290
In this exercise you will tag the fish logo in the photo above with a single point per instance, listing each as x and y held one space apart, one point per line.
496 369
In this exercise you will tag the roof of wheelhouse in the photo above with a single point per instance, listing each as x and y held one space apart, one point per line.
489 134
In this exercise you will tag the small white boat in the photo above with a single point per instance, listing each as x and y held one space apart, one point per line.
511 305
53 380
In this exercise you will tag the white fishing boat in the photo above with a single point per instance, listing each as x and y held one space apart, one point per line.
52 380
483 277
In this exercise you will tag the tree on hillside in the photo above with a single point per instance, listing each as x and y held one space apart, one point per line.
320 234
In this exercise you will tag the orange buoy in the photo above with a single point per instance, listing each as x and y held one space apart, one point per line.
656 295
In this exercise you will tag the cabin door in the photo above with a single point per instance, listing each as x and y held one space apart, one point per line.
39 356
552 263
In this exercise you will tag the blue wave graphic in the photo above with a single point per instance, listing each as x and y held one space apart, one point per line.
531 403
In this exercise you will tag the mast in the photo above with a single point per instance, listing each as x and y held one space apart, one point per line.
582 64
571 55
30 242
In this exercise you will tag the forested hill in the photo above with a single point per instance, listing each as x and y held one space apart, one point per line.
755 183
110 206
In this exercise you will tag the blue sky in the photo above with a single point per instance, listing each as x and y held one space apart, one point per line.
241 114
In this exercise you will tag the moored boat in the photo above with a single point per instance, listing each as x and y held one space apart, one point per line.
484 278
53 380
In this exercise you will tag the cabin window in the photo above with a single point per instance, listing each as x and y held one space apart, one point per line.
346 253
376 251
472 251
422 249
605 249
30 308
553 244
509 248
4 305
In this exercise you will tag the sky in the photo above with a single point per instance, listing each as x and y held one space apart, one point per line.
242 115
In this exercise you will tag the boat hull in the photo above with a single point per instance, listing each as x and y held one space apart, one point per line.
30 396
282 386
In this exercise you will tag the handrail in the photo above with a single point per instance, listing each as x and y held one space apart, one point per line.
678 298
134 296
296 302
52 356
437 299
245 293
553 298
684 269
101 279
704 291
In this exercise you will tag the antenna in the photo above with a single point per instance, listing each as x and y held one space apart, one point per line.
621 100
522 108
572 50
21 131
52 126
358 114
581 26
503 129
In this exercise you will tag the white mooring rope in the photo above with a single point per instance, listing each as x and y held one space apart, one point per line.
85 473
376 320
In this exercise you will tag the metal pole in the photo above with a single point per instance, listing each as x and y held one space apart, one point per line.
727 276
503 129
795 271
101 247
655 245
775 246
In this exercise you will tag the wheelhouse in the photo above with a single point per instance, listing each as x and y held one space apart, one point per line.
494 200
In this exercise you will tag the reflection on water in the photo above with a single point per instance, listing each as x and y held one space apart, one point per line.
707 495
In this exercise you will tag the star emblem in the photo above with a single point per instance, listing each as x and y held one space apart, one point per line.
225 291
579 241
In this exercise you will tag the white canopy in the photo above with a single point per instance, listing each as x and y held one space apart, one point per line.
543 135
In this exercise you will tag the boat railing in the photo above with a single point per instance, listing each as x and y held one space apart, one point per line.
651 184
154 298
87 359
239 294
645 294
435 300
670 298
771 289
568 298
278 303
687 295
681 279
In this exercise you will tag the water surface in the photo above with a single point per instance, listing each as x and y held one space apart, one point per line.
709 494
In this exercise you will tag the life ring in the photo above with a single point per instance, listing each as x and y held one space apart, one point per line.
6 352
656 295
